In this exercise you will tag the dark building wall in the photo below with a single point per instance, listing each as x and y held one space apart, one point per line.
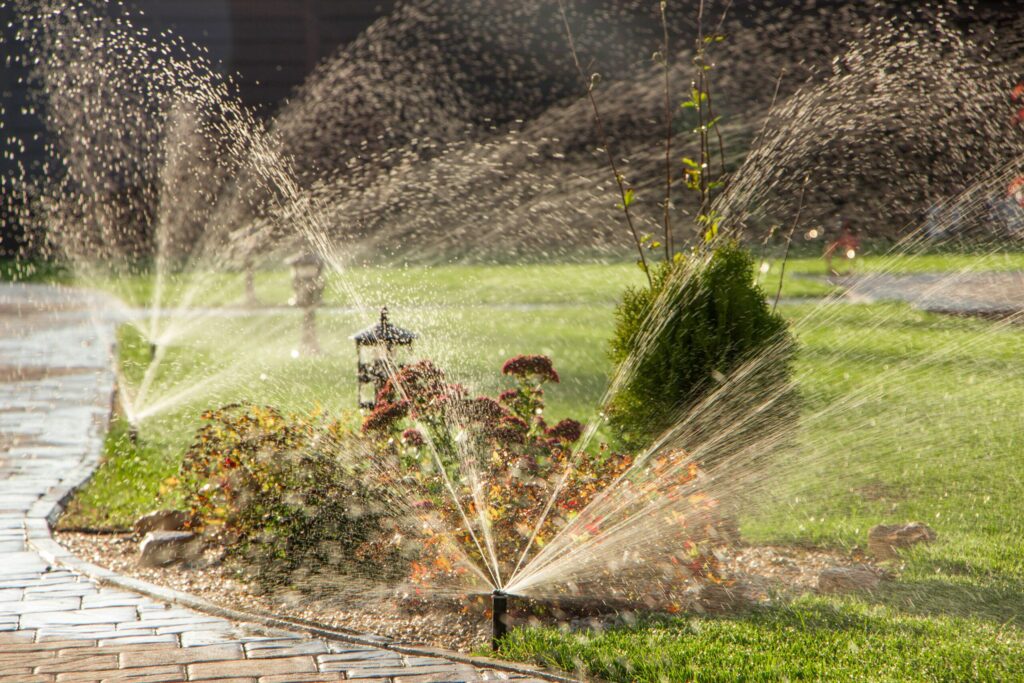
268 46
276 44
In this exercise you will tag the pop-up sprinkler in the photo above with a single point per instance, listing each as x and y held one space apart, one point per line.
152 351
499 618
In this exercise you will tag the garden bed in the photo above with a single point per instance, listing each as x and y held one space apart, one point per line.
765 574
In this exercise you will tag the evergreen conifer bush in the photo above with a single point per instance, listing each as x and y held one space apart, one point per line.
711 319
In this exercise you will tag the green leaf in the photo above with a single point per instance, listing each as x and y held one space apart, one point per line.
630 198
690 162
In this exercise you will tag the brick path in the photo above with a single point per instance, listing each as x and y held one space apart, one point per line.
982 293
56 625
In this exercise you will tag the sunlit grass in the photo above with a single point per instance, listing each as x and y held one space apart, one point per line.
939 441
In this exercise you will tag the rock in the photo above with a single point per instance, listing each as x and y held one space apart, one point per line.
885 539
728 528
160 548
161 520
717 598
847 579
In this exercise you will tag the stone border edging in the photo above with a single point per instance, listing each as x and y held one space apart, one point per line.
39 538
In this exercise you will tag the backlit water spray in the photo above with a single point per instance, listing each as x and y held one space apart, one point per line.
171 193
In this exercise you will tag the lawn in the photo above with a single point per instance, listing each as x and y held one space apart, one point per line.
937 438
908 416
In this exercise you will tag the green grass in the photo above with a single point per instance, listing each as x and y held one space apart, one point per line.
938 438
470 323
810 639
16 270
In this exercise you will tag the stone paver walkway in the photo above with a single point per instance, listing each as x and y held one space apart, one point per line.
59 626
999 294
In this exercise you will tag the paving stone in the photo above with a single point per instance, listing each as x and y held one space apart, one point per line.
106 615
154 674
208 653
118 648
303 678
251 667
360 655
112 599
58 591
100 632
55 645
284 648
29 659
185 626
28 606
153 640
27 678
71 662
192 620
445 677
465 673
206 637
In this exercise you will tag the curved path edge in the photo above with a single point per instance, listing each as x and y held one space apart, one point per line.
57 554
63 618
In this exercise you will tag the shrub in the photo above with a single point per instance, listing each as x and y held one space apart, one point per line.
441 488
481 472
715 318
286 492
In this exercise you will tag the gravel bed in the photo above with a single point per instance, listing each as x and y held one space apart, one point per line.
766 573
345 604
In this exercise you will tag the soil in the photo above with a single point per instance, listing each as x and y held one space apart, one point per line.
764 573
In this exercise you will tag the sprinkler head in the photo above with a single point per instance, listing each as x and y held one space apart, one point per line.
152 351
133 434
499 618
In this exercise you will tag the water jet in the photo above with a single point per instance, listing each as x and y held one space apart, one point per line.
308 285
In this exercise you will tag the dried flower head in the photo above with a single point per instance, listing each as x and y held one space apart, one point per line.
567 431
384 416
539 368
412 437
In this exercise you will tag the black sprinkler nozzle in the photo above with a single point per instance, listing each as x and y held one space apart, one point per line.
499 618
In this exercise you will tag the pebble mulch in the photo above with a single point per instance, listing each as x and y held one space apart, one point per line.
766 572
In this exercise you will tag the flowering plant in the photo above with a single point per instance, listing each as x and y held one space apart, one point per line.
287 491
488 479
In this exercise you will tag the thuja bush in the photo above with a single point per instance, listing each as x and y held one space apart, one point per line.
710 321
285 492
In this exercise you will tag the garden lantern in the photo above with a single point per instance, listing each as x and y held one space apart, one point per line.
308 287
378 349
250 283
